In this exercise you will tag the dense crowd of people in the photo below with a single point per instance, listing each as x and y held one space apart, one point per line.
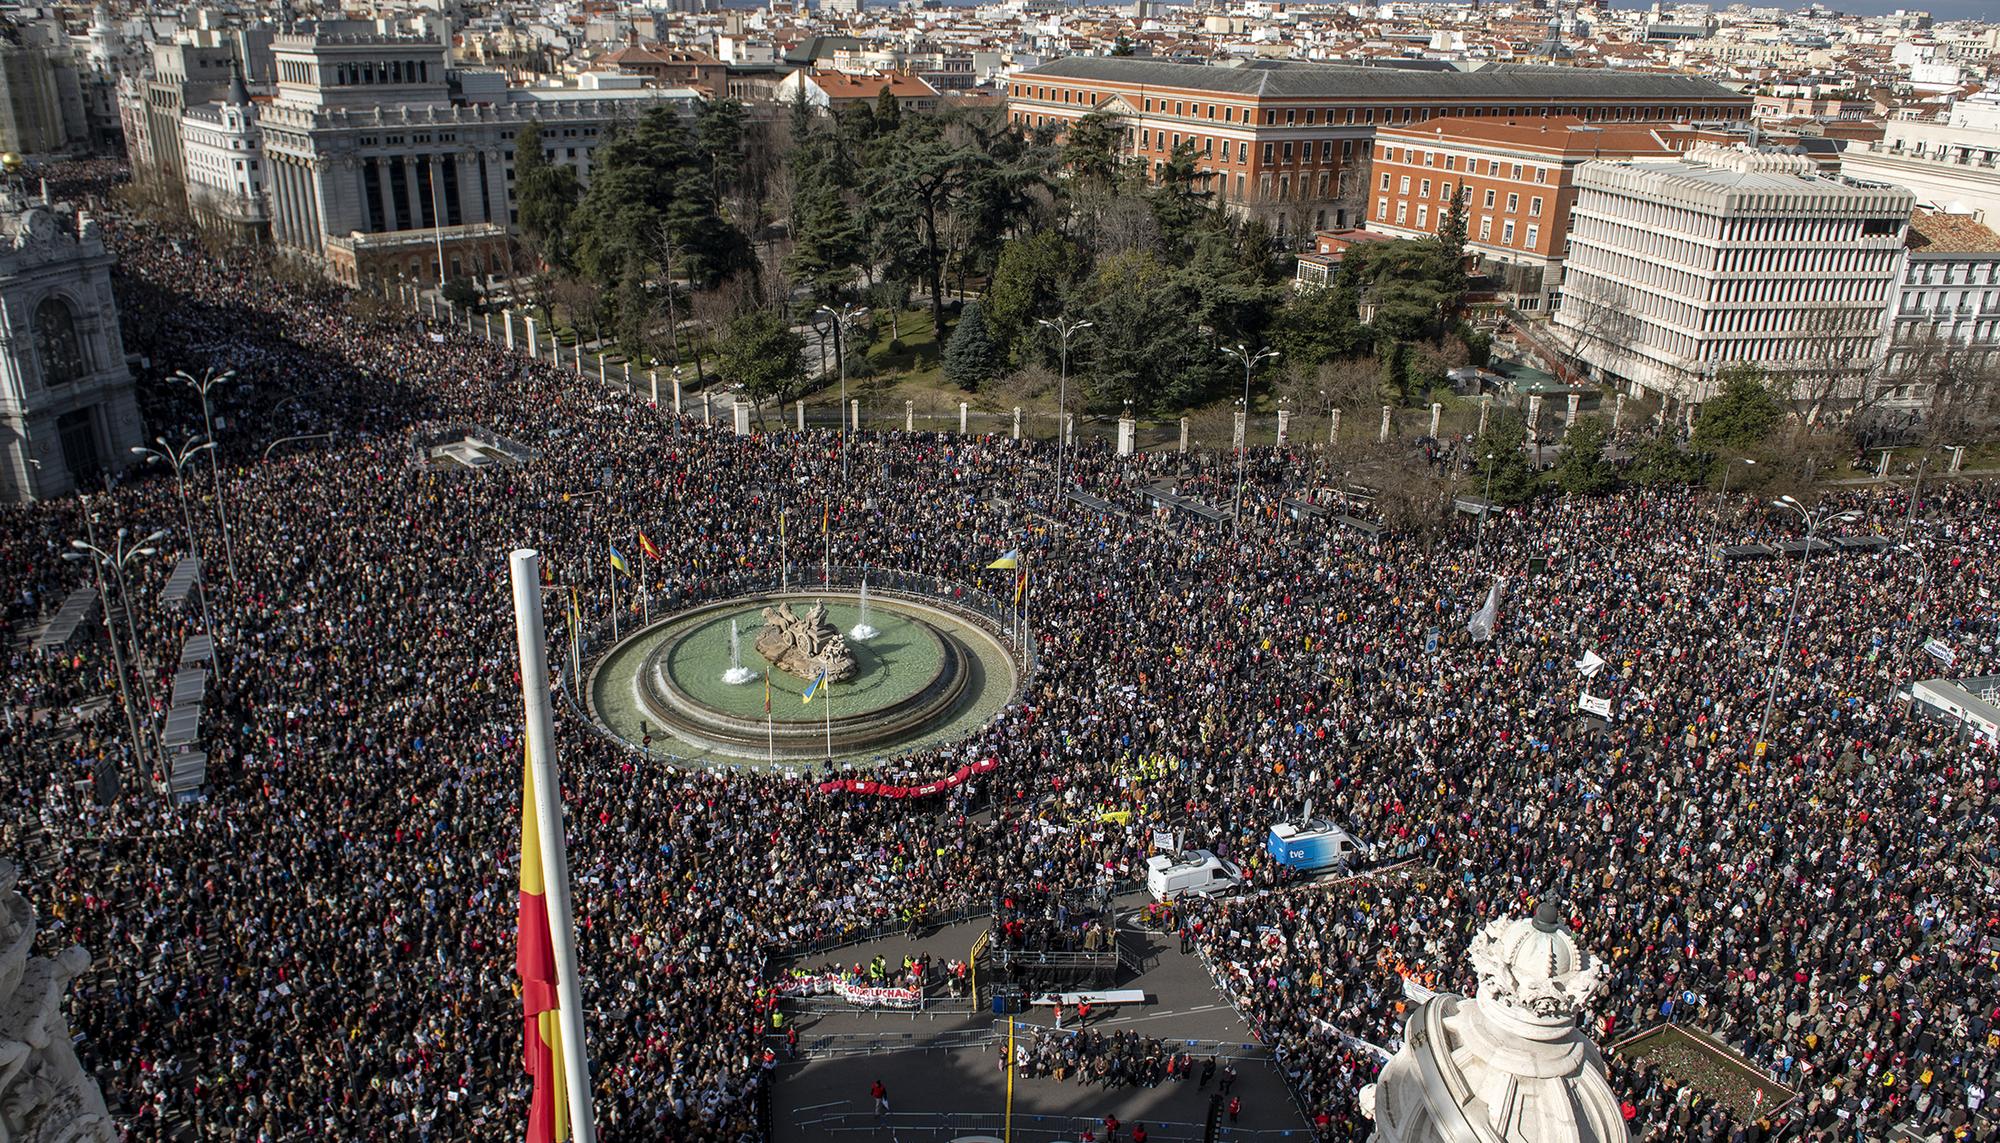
323 948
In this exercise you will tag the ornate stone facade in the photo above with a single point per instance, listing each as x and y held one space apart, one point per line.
1510 1066
45 1097
67 411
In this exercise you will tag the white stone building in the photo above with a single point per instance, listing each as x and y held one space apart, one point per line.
45 1095
1510 1066
223 157
1944 323
67 412
1680 270
1951 167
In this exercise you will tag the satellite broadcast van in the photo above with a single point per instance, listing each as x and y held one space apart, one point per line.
1193 873
1313 845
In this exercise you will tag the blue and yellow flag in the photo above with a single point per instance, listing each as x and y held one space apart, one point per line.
618 561
1007 562
814 688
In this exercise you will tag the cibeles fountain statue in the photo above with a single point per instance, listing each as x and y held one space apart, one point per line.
45 1097
805 645
1510 1066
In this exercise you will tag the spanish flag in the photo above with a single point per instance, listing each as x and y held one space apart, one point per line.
535 962
646 546
1007 562
767 690
1020 586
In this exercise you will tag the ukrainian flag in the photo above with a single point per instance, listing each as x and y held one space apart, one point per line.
618 561
1007 562
813 689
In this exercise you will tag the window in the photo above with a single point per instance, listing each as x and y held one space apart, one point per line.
1242 156
1489 199
1291 116
1268 149
1534 237
1517 172
1535 207
56 343
1402 213
1425 192
1288 150
1507 234
1381 208
1403 185
1485 229
1513 204
1445 191
1423 217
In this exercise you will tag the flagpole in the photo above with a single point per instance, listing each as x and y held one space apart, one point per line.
784 557
525 564
611 573
645 588
828 687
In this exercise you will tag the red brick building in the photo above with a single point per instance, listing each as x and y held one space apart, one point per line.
1515 176
1291 143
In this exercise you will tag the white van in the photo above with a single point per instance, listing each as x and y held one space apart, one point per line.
1197 872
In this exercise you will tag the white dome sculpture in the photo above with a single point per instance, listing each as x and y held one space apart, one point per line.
1510 1066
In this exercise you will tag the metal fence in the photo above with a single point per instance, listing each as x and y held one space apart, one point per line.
841 1121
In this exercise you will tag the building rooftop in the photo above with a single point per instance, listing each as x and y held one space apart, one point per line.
1287 79
901 85
1935 232
1554 135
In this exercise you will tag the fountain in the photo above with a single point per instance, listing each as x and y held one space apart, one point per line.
737 674
862 631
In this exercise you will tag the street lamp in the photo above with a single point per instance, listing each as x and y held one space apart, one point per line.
1715 523
1065 329
1923 581
1910 515
122 552
1813 525
1486 503
209 380
841 317
178 461
1242 353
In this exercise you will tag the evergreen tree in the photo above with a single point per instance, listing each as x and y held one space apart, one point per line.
1497 454
918 174
971 358
545 195
1742 414
762 353
1582 469
1034 275
888 112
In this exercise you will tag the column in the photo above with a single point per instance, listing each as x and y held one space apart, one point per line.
1535 419
281 203
414 192
653 375
1575 403
1068 429
909 416
800 406
854 415
1617 410
385 189
1437 418
1485 409
487 317
677 392
707 407
1017 422
1284 426
1236 431
601 378
1333 428
534 344
1386 413
742 417
507 319
963 417
628 376
1882 469
1126 431
315 233
1957 458
1184 434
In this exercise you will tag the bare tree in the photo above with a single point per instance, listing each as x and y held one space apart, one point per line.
1597 318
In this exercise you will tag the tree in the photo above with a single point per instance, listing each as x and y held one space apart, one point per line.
1582 469
647 177
971 359
719 140
545 195
919 175
1033 277
764 355
1658 462
888 112
1317 325
1451 233
1092 151
1147 346
1180 197
1513 481
1742 414
1122 46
